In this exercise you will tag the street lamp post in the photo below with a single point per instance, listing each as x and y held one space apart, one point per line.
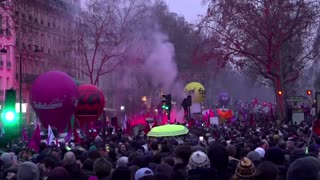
20 52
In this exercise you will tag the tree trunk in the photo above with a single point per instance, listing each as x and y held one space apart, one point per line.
279 99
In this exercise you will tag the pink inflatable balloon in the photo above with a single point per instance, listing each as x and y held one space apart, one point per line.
53 97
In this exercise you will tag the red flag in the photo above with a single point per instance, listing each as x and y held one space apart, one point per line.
316 127
155 123
147 129
251 119
76 136
36 139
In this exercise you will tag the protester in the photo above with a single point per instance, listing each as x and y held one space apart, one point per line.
237 151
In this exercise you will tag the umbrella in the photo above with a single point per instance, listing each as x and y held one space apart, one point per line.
168 130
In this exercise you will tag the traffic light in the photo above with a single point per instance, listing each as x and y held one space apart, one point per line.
280 93
9 115
309 92
166 102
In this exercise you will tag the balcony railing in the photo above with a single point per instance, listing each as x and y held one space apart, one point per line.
26 78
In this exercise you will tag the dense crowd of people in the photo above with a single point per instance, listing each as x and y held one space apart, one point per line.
239 151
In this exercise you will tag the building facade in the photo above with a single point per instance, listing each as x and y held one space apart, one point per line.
7 60
40 36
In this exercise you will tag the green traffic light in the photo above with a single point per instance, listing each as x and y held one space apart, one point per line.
167 108
9 116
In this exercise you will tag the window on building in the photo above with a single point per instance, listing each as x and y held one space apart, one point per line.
1 86
8 83
8 61
1 61
8 32
1 29
41 41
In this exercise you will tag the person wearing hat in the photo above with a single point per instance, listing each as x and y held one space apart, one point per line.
28 171
261 151
304 168
144 174
254 156
245 170
199 167
73 168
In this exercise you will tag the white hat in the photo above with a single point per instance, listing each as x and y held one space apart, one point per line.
261 151
143 172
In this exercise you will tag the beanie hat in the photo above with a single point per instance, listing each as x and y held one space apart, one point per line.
254 156
69 158
245 169
28 171
261 151
198 160
123 162
6 157
304 168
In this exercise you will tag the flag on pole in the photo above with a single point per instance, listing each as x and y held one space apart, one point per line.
69 134
124 122
76 136
25 135
50 136
36 139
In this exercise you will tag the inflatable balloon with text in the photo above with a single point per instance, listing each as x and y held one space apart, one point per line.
90 105
53 97
197 91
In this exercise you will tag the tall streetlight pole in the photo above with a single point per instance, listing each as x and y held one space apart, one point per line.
20 52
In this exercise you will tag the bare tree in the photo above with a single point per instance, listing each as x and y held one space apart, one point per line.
259 35
105 35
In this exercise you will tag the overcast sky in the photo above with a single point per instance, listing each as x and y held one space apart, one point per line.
190 9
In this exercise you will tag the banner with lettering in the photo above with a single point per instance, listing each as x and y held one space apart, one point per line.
53 97
196 91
